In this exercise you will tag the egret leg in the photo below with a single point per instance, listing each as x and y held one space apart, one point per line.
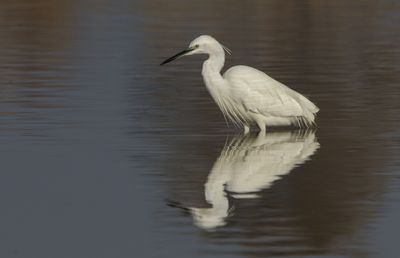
246 129
260 121
263 129
261 125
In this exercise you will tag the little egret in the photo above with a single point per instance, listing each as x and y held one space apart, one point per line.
247 96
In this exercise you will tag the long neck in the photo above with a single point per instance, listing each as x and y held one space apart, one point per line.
216 59
212 71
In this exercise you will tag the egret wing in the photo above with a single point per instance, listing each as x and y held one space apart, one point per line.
259 93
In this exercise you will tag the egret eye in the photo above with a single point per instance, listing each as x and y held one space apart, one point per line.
196 46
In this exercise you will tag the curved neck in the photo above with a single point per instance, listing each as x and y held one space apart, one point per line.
216 59
212 70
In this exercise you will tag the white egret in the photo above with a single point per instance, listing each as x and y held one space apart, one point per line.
246 95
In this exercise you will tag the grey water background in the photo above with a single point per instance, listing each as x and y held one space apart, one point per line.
96 137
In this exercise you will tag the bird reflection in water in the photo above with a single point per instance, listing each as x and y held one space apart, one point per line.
246 165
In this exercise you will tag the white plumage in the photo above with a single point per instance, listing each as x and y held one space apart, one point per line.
247 96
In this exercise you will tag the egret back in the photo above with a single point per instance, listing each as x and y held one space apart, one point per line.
261 94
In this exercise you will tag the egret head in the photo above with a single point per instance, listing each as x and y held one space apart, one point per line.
209 218
201 45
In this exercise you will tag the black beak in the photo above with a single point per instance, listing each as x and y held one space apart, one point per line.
172 58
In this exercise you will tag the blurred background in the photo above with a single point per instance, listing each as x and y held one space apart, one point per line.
97 140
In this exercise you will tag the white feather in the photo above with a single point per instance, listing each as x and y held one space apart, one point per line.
247 96
260 94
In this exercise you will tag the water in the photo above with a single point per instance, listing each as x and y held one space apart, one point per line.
106 154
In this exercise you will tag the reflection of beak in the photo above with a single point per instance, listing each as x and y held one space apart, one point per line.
175 204
182 53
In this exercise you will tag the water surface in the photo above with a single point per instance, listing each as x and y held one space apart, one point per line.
106 154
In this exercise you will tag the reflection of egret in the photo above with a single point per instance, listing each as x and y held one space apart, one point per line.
247 165
248 96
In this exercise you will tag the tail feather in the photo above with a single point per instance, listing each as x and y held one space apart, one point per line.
310 110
